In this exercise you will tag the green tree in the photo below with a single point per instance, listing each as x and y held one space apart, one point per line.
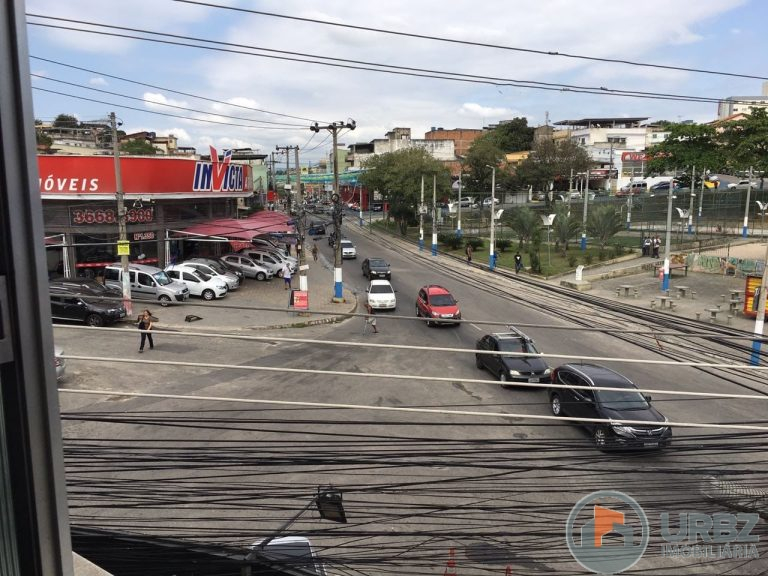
66 121
564 228
525 223
138 148
603 223
687 145
551 160
398 176
745 142
484 153
512 136
43 140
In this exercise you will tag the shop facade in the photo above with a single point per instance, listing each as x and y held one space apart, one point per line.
80 208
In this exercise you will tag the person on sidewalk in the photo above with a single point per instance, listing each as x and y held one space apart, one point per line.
646 246
314 252
518 262
371 319
286 276
469 253
145 325
656 246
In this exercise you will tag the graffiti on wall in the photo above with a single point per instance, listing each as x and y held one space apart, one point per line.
726 265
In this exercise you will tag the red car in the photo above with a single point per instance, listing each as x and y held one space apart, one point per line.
436 303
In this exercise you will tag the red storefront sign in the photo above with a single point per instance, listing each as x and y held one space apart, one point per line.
634 157
107 215
94 176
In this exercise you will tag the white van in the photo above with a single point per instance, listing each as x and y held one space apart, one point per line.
147 283
294 552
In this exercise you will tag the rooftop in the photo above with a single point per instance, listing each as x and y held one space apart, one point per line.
603 122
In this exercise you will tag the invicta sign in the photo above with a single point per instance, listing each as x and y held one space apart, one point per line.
219 176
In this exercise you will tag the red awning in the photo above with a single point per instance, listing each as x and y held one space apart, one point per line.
243 229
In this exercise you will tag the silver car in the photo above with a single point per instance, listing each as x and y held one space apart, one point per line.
216 271
249 267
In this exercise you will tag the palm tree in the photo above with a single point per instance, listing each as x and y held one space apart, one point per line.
525 223
602 224
565 227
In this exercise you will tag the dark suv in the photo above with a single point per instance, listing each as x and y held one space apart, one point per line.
376 268
612 405
511 368
84 305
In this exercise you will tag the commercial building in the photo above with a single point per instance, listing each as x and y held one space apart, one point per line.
734 105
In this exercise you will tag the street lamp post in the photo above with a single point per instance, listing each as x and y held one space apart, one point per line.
434 215
421 217
584 216
458 221
492 250
668 245
693 195
763 206
744 230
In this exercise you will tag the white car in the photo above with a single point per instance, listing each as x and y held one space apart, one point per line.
199 284
742 184
381 295
348 249
487 201
217 271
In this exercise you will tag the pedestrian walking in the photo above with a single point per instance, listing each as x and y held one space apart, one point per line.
469 253
286 276
646 246
314 252
370 320
656 244
145 325
518 262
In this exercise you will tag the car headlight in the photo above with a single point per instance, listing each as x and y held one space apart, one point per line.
547 372
514 373
435 315
622 430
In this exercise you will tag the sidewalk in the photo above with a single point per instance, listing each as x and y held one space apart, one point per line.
233 312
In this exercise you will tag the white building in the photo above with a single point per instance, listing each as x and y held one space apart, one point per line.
742 104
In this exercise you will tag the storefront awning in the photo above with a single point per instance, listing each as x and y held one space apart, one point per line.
241 229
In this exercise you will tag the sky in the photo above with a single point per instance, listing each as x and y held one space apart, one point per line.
266 98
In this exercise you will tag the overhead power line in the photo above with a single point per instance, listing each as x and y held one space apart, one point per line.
243 49
171 90
471 43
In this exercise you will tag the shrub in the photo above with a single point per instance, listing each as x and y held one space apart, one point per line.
450 240
503 244
474 242
602 255
572 260
588 259
618 250
535 262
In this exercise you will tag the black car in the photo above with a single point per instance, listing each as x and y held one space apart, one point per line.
612 405
85 306
511 368
86 285
376 268
316 230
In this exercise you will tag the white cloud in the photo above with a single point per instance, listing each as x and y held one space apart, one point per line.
479 111
155 101
99 81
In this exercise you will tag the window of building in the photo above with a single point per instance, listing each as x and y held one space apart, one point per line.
617 140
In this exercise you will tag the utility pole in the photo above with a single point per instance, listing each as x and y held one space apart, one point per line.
301 229
744 230
421 217
434 215
492 250
123 247
668 239
338 287
287 149
584 216
690 206
458 221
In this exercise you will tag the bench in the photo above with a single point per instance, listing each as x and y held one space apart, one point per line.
713 312
681 290
672 267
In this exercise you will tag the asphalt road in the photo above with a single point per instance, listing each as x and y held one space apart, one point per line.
497 489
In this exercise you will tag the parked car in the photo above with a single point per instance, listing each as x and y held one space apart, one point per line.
199 284
381 295
376 268
613 405
662 188
348 249
83 306
217 270
87 285
742 185
295 553
539 196
487 202
269 259
147 282
60 363
632 189
316 230
467 202
270 246
511 368
251 268
218 262
437 304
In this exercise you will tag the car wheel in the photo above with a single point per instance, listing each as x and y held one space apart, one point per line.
94 320
503 379
600 437
279 274
165 300
208 295
478 362
261 276
557 407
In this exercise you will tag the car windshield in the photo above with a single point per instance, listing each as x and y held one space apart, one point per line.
346 244
621 399
203 276
442 300
162 278
381 289
378 264
216 267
